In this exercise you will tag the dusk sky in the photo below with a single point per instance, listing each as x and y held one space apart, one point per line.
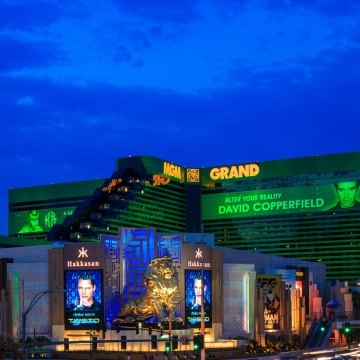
198 83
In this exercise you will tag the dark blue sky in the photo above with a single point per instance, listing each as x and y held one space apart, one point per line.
199 83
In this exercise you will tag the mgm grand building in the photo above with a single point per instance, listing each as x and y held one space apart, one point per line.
287 226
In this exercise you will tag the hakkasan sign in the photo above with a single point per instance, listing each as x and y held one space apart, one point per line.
269 202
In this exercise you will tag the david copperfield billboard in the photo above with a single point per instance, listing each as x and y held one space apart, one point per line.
84 309
278 201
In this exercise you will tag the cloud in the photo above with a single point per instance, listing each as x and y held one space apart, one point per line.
27 15
270 104
162 11
333 8
115 108
26 100
17 54
122 54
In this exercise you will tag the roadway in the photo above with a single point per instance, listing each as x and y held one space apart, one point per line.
320 354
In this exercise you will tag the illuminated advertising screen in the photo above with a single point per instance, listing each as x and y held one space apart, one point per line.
84 299
270 286
279 201
31 221
193 291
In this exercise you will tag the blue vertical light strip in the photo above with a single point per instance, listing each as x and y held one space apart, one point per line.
111 277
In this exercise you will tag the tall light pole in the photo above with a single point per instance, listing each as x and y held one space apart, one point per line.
33 302
202 324
202 319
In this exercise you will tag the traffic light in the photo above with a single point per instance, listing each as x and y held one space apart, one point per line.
323 326
123 342
167 346
153 342
150 330
347 328
93 343
201 341
66 344
161 331
137 328
175 341
198 342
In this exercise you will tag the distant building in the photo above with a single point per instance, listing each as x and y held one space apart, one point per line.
291 208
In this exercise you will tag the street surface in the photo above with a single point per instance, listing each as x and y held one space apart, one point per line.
320 354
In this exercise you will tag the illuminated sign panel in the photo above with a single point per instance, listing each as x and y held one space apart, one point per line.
193 291
22 222
84 299
193 175
83 256
270 286
83 264
173 171
277 201
325 164
234 172
196 256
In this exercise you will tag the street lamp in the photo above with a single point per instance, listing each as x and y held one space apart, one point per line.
33 302
202 324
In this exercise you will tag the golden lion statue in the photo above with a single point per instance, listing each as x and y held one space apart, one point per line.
162 282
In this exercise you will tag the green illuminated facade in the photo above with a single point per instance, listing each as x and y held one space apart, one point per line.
289 208
35 211
292 208
136 195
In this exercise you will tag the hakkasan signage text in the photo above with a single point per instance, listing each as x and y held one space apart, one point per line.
83 256
196 256
267 202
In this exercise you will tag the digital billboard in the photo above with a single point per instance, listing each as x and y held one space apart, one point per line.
84 299
37 220
193 291
279 201
270 286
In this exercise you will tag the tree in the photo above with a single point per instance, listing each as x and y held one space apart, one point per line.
9 348
296 341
